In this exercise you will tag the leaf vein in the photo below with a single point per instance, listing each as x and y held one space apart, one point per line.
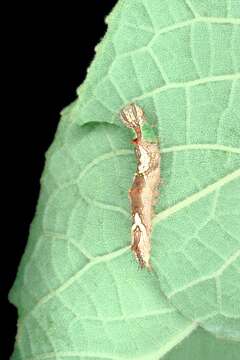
197 196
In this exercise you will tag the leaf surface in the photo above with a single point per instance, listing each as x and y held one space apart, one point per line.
78 290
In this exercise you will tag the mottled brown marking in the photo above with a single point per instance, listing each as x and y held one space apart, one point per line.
144 190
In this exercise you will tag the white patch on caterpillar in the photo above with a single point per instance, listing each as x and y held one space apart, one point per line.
145 185
144 160
143 244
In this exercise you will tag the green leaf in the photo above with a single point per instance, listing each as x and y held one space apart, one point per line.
201 345
78 290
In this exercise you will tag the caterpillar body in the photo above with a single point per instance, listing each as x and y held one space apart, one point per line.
144 191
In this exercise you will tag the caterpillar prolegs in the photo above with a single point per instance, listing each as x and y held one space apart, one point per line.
144 190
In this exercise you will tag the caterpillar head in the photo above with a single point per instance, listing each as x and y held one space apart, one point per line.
132 116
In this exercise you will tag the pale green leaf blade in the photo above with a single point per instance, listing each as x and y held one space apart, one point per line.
78 291
185 72
201 345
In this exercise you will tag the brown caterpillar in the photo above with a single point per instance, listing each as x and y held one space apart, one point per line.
144 190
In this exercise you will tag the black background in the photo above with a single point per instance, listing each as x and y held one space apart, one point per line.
48 52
